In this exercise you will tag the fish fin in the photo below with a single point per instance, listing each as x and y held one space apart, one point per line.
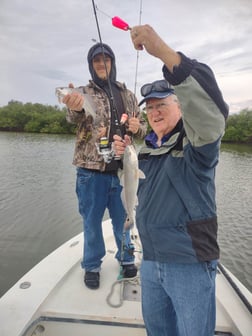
123 199
120 175
141 174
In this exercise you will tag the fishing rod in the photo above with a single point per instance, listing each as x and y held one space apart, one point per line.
111 97
119 23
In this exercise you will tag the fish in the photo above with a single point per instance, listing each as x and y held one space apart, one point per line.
88 104
129 177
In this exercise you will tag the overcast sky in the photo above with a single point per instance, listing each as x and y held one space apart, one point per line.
44 43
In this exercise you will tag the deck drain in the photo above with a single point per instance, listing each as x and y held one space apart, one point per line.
25 285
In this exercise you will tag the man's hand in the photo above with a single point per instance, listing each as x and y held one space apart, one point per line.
133 125
119 144
144 36
74 101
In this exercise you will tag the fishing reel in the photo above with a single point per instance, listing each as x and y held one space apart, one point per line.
105 149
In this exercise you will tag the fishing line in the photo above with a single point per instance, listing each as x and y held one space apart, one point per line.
136 73
98 9
119 23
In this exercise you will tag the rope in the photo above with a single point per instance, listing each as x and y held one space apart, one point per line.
121 282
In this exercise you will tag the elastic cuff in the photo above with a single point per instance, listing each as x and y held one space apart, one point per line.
77 111
180 72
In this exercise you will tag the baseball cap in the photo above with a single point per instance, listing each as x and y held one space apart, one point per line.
99 49
158 89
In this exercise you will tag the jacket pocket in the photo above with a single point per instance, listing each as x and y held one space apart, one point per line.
203 234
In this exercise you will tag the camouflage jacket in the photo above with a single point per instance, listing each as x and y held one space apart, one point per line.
87 137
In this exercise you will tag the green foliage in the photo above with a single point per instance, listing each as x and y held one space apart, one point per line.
144 116
37 118
239 127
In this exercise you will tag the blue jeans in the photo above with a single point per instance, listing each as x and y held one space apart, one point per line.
178 299
97 191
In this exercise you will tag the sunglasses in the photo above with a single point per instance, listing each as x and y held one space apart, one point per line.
158 86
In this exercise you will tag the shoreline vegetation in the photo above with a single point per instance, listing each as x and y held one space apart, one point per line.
39 118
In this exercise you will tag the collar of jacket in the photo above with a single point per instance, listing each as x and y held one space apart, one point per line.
174 141
92 84
151 138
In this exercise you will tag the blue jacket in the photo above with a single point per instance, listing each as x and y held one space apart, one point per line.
176 215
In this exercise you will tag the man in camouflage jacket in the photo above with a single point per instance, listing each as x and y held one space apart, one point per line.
97 184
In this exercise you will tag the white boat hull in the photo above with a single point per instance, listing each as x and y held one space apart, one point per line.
52 299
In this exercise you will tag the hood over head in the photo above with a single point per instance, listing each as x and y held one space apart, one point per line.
100 48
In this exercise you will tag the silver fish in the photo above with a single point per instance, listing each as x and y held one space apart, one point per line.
129 178
88 104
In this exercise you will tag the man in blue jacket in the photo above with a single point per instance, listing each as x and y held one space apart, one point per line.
176 215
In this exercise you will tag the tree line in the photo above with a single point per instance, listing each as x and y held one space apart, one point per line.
34 118
239 127
38 118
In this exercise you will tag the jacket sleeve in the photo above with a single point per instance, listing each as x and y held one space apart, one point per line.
203 109
74 117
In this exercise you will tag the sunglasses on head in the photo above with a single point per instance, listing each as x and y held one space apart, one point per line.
158 86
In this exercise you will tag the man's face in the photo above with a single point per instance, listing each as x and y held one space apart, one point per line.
99 66
163 114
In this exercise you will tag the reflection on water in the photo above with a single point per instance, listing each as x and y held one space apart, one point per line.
237 148
39 207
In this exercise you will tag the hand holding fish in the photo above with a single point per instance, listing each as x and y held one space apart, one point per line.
74 101
145 36
120 144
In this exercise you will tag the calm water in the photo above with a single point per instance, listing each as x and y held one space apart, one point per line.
38 207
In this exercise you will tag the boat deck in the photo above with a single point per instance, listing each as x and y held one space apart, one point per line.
52 299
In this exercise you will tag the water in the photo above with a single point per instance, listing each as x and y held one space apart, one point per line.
234 195
39 211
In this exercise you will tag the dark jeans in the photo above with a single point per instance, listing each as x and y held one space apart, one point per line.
97 191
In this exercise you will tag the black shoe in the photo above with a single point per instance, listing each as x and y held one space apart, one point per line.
92 280
129 271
